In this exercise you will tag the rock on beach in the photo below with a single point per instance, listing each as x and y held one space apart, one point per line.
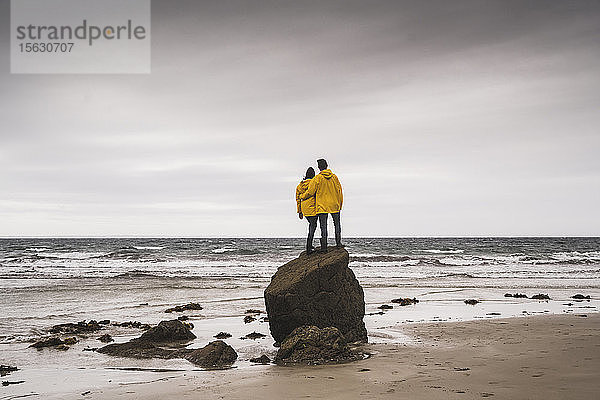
318 290
148 345
312 345
215 355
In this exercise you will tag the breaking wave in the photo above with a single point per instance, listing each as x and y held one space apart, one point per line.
443 251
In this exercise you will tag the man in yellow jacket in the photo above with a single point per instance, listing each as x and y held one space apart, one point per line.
307 208
327 189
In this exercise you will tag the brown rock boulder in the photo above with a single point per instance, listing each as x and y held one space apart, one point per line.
49 342
138 349
312 345
264 359
215 355
168 332
149 345
319 290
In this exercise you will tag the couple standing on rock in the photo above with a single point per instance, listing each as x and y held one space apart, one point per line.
316 197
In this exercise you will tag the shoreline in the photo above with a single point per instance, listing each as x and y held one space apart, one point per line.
63 375
542 356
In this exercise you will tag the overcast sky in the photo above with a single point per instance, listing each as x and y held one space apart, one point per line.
441 118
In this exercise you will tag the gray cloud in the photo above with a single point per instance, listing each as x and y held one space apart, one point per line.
440 118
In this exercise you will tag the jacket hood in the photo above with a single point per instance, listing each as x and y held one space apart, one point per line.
327 174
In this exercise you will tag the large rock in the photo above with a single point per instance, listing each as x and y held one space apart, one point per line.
317 289
215 355
149 344
312 345
136 348
167 332
164 341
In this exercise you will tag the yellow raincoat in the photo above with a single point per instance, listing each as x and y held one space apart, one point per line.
308 206
327 189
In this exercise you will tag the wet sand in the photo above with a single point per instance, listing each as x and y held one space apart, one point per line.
538 357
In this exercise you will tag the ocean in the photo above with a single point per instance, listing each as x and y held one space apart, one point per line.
50 281
564 261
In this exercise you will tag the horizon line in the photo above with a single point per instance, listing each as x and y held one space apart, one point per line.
302 237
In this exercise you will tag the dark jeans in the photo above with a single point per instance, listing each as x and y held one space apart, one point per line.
336 224
312 227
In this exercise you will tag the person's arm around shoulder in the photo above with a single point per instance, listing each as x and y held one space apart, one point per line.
312 188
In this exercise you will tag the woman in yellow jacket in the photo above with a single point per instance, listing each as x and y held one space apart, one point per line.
307 208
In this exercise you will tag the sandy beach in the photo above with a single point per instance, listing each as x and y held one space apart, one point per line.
536 357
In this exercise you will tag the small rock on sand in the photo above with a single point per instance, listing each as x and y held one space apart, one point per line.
106 338
7 369
541 297
215 355
6 383
182 308
133 324
222 335
248 319
405 301
581 297
516 295
471 302
50 342
253 336
261 360
78 328
55 342
70 340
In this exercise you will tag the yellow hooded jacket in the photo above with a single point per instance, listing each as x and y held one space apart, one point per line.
327 189
307 206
